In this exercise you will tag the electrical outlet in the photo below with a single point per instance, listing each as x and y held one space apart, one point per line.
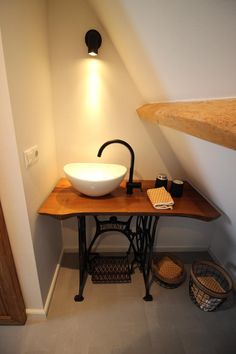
31 155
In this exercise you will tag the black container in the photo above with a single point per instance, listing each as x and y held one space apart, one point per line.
177 187
161 181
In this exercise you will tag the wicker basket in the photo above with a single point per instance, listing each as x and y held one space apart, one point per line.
168 271
209 285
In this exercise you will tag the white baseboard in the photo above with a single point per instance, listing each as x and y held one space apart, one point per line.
155 249
179 249
37 312
70 250
53 283
44 310
161 248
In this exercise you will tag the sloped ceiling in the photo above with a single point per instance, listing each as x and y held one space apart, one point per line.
182 50
174 50
177 51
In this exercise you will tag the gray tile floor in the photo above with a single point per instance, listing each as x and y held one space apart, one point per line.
113 319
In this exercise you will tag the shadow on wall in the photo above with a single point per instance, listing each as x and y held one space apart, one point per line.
42 243
231 267
165 150
204 164
223 246
125 38
108 241
184 234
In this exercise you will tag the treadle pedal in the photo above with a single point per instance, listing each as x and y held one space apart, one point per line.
110 269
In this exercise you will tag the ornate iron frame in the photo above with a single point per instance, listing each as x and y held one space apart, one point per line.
141 242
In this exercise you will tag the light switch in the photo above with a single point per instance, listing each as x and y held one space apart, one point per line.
31 155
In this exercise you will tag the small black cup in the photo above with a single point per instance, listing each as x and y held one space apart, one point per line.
161 181
177 187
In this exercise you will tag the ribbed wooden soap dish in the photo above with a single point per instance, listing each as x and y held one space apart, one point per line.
168 271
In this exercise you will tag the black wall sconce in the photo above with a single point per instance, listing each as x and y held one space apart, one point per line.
93 41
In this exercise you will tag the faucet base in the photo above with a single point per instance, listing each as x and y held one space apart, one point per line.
131 185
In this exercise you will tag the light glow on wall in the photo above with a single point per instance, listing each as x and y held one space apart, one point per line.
93 86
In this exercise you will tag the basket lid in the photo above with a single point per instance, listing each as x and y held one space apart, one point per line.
211 283
168 270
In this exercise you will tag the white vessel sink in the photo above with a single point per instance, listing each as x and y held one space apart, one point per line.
95 179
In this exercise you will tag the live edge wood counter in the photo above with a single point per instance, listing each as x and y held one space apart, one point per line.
64 202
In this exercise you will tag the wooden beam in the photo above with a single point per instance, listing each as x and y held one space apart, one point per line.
213 120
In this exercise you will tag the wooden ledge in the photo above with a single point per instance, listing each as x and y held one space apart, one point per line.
213 120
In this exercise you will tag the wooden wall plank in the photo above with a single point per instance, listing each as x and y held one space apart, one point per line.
12 307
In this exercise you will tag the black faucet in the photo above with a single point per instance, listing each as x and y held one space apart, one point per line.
130 185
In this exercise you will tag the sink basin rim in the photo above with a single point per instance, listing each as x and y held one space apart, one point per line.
95 179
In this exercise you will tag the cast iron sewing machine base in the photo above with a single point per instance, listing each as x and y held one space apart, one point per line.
141 242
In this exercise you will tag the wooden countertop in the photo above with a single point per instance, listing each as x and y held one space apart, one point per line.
64 201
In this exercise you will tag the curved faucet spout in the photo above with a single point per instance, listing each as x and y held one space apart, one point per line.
130 184
119 141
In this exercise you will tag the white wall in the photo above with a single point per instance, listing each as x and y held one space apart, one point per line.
24 35
212 168
13 199
94 99
183 49
180 50
160 51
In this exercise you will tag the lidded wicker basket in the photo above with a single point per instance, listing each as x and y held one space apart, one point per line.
169 271
209 285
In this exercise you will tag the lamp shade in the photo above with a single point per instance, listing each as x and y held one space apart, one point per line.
93 41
